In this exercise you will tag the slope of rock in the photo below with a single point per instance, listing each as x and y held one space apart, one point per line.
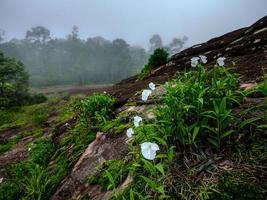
245 50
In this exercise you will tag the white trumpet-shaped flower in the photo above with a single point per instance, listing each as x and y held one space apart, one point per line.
149 150
129 132
145 94
220 61
203 59
137 121
194 61
152 86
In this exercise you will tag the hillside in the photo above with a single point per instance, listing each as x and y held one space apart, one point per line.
73 150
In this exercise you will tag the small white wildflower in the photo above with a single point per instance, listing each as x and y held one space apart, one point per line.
137 120
29 148
145 94
220 61
152 86
203 59
1 180
67 124
194 61
129 132
149 149
105 92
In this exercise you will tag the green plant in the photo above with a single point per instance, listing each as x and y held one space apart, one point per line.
36 183
197 107
41 152
110 175
13 82
158 58
96 108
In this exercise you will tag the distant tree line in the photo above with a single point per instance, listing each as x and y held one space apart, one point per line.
72 60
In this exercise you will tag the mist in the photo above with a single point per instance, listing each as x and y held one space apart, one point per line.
99 41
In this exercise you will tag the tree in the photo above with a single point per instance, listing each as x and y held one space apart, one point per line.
13 82
74 33
155 42
38 34
176 45
2 35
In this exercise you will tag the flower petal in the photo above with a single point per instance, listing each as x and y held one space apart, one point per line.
152 86
129 132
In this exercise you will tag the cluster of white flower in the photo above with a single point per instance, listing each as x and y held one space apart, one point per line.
146 92
220 61
203 59
195 60
148 149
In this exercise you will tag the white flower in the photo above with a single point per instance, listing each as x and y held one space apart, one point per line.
194 61
129 132
105 92
145 94
152 86
137 120
149 150
220 61
203 59
1 180
29 148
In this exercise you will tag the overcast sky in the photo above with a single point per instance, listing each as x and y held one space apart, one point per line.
133 20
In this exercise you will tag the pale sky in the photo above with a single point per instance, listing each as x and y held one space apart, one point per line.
133 20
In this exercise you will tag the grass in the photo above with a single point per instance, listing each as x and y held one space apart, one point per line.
39 175
196 126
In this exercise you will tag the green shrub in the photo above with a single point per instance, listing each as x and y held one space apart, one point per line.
158 58
96 108
13 82
197 108
41 152
36 98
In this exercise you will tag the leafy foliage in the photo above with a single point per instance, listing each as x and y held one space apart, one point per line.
197 107
158 58
13 82
96 108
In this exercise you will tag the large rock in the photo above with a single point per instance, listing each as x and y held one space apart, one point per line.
245 49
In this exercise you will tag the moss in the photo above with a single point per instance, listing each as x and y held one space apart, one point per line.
238 186
6 145
117 169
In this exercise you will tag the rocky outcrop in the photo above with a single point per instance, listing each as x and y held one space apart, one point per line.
245 50
103 148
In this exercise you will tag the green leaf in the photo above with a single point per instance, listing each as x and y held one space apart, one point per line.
213 142
227 133
150 182
264 126
195 133
161 190
160 168
160 140
131 194
111 180
149 166
248 121
171 154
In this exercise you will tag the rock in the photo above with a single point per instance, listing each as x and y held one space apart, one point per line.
103 148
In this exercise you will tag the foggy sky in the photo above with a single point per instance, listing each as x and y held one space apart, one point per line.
133 20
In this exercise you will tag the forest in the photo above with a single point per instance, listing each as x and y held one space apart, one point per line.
75 61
